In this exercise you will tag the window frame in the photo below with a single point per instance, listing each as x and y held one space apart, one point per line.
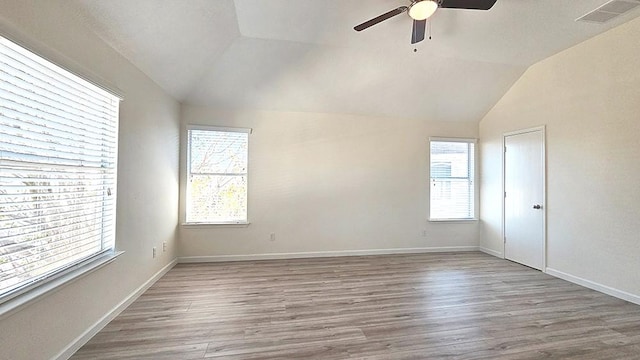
187 148
44 284
476 205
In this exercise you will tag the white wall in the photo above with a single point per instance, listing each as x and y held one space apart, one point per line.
589 98
329 182
147 184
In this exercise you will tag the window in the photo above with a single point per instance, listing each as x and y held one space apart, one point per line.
58 154
217 175
452 179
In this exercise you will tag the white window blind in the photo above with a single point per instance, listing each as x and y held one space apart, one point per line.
58 151
452 187
217 175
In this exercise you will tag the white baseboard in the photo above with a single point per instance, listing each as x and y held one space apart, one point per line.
595 286
316 254
76 344
491 252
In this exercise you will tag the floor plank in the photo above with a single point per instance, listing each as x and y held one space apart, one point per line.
419 306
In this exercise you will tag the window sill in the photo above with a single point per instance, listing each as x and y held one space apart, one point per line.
230 225
20 301
452 220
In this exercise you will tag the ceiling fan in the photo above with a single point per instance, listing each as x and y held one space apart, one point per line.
421 10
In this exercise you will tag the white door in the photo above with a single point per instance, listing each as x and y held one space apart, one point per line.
524 196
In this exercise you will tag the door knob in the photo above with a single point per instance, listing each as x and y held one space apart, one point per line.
537 207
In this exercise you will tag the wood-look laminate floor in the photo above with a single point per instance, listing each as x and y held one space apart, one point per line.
425 306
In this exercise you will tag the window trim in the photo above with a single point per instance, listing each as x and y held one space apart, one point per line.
230 224
66 64
476 195
19 298
51 284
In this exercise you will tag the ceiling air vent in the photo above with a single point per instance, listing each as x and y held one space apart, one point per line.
610 10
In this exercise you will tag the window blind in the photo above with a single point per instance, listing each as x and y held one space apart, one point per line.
58 154
452 190
217 175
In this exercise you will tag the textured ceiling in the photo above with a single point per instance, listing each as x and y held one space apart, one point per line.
303 55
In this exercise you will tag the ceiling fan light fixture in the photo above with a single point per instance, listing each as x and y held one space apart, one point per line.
422 10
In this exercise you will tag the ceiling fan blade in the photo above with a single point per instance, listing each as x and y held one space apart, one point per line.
381 18
417 34
468 4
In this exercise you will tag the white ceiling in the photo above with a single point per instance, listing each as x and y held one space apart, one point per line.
303 55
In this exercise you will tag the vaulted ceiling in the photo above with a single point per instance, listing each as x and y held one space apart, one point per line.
303 55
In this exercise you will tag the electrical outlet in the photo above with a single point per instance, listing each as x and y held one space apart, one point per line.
154 252
272 237
164 246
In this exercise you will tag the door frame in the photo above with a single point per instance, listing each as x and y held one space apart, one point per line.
541 128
